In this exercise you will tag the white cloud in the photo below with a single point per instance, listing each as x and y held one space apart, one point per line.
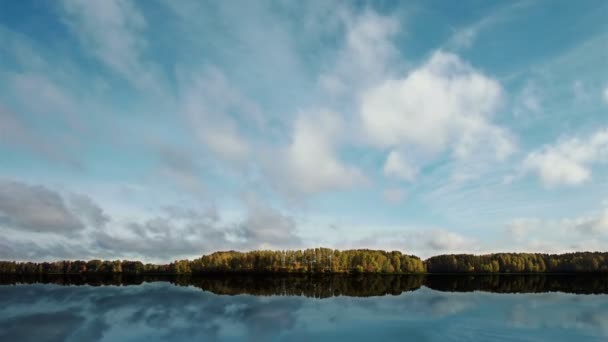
448 242
605 95
421 242
398 167
445 104
568 161
431 105
311 161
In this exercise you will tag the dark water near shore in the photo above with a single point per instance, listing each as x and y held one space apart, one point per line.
260 308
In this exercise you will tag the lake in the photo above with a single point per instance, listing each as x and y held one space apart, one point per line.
275 308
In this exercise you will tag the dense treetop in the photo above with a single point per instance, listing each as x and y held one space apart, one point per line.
325 260
519 263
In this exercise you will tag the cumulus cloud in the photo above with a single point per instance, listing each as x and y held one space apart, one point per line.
430 104
420 242
35 208
311 162
171 232
445 104
179 232
447 242
160 238
569 161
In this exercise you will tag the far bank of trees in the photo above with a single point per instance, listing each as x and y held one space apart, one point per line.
317 260
329 261
519 263
314 260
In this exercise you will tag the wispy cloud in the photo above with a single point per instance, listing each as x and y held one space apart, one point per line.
113 32
465 37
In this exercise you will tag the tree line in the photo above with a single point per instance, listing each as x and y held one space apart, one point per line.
519 263
331 261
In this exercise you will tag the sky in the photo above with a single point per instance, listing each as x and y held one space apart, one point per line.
161 130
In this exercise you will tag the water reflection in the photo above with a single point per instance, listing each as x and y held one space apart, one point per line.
336 285
281 308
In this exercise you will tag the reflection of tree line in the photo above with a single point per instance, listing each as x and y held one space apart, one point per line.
570 283
310 286
323 286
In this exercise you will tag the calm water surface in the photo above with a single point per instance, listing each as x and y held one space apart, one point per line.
361 309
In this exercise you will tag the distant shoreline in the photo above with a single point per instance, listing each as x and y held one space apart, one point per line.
330 261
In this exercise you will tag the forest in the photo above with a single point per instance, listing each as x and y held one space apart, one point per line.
329 261
519 263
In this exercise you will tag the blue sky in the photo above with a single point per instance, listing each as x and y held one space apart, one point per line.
166 129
